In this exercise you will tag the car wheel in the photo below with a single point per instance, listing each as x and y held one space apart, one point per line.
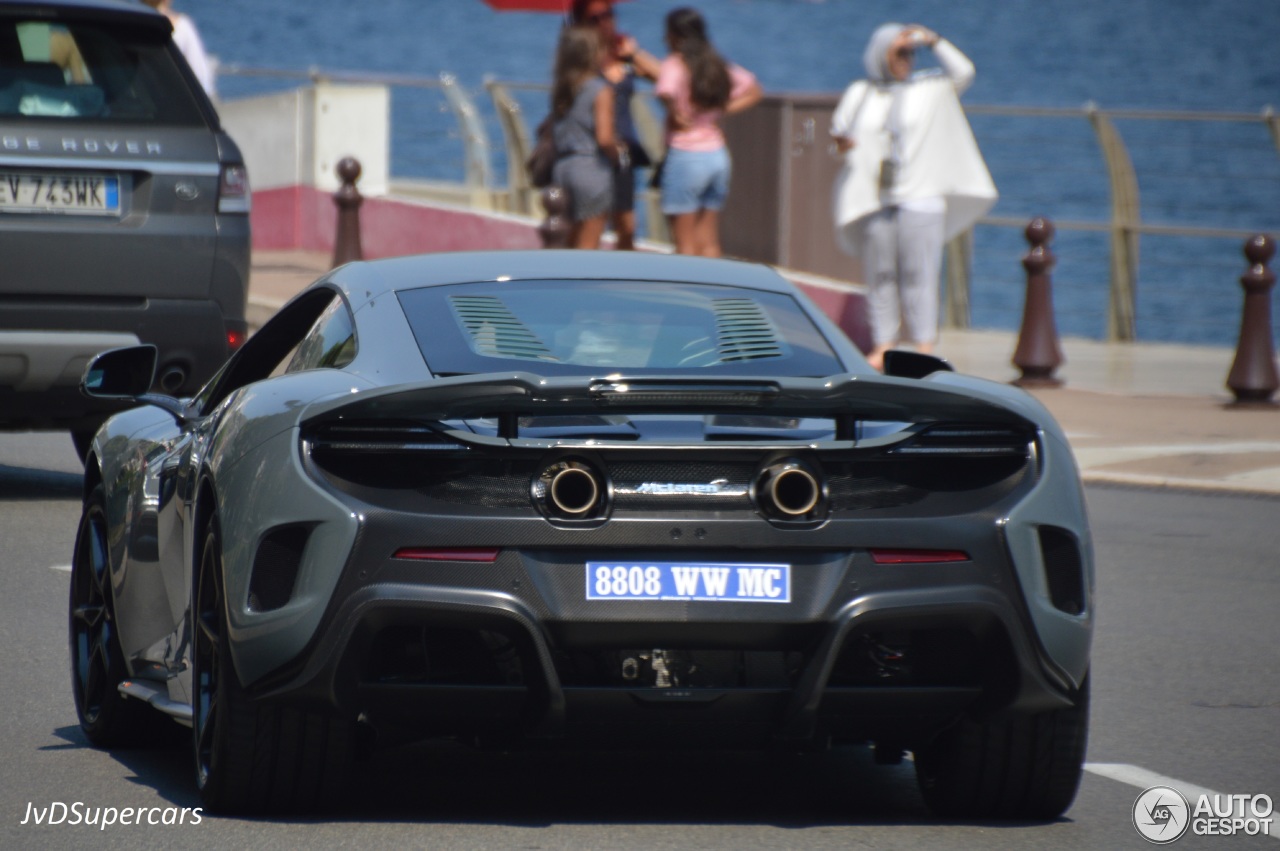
82 439
253 755
107 717
1025 767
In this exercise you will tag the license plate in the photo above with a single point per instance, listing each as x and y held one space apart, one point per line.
28 192
731 582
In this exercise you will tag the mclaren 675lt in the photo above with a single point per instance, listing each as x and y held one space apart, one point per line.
581 498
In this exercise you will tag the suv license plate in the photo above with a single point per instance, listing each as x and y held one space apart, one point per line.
27 192
730 582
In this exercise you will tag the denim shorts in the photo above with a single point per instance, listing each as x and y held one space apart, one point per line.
695 180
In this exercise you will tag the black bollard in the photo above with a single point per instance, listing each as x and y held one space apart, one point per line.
1253 373
1038 353
556 227
346 244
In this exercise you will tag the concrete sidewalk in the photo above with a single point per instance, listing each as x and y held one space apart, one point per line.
1142 414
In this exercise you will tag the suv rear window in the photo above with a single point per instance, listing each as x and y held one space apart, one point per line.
62 70
584 327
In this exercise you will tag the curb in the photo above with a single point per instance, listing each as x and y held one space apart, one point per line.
1170 483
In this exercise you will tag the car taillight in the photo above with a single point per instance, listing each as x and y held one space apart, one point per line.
481 554
883 556
233 190
235 338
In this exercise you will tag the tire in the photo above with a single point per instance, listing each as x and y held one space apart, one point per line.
82 439
108 718
1026 767
253 756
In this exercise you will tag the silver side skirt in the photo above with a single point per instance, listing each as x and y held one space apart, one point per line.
156 695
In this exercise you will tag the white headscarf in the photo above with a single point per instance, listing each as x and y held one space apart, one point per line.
876 57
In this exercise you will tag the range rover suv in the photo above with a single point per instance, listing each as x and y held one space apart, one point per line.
123 209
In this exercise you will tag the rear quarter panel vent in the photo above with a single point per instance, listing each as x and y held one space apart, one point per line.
275 567
1063 569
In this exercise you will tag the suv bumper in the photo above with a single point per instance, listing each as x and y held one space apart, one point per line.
45 347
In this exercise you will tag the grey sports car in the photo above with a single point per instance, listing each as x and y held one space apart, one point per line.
540 497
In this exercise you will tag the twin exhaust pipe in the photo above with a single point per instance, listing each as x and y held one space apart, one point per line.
789 490
575 489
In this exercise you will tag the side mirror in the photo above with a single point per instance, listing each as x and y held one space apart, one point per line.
901 363
120 373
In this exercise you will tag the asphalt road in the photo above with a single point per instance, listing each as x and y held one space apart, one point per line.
1186 686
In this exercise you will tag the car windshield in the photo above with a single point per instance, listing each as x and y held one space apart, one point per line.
583 327
61 70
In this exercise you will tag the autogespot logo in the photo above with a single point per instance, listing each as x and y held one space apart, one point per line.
1161 814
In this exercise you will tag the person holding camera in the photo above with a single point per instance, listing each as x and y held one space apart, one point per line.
912 178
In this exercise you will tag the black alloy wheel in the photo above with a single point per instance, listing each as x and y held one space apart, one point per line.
107 717
215 685
205 642
253 756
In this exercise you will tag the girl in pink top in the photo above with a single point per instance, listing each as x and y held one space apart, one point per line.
697 86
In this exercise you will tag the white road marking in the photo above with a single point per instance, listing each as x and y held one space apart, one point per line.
1140 778
62 568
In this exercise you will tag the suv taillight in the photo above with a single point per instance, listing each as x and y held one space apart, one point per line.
233 190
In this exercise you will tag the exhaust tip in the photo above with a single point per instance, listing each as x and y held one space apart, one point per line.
574 491
172 378
789 490
570 490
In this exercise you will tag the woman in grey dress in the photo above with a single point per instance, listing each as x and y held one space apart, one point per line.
583 106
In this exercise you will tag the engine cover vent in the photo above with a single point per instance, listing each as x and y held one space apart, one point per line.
495 331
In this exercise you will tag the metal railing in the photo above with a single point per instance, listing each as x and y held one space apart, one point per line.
1024 155
1125 224
477 156
1122 221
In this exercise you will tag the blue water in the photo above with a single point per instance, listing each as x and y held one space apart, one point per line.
1219 55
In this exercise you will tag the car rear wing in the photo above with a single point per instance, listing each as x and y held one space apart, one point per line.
845 399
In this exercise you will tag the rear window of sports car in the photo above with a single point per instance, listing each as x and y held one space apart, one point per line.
583 327
67 70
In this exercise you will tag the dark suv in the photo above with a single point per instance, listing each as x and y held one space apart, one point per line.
123 209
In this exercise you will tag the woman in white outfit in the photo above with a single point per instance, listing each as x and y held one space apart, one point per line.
187 38
912 179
